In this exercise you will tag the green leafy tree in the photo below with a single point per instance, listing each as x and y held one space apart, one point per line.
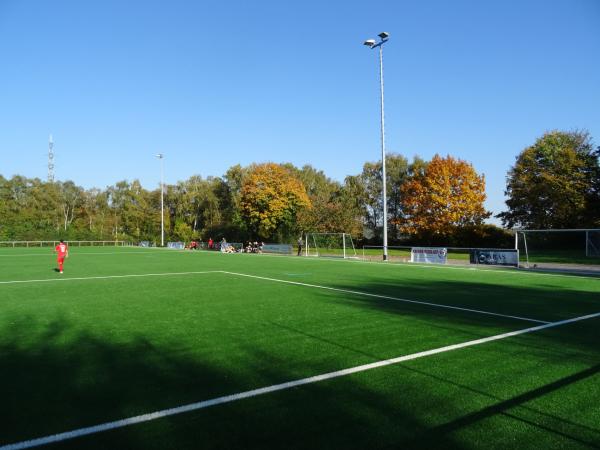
355 190
197 204
31 208
554 184
224 218
331 209
183 232
94 213
4 210
71 197
367 190
133 211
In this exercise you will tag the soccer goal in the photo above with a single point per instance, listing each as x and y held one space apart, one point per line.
337 245
571 246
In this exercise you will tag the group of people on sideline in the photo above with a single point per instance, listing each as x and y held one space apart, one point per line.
248 247
225 247
254 247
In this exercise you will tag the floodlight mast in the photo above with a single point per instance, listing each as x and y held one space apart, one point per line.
162 202
371 43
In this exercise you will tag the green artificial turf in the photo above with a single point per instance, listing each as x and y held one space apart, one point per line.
84 351
560 257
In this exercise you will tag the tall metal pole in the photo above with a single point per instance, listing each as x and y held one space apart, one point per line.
162 202
371 43
383 175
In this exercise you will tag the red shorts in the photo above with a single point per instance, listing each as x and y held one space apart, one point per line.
60 259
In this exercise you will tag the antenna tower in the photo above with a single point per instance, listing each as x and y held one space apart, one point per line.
50 160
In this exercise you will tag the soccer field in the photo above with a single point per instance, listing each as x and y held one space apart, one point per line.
162 349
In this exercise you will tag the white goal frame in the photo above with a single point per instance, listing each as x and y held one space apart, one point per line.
592 240
312 247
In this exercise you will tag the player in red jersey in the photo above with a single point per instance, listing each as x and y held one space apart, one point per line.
62 252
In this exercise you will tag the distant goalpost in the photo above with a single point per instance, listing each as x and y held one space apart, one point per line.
578 246
335 245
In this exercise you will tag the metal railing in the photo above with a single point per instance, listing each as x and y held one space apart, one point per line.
71 243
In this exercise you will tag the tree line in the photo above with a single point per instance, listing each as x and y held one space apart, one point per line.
555 183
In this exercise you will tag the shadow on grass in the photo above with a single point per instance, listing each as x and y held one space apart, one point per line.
55 379
531 302
590 437
544 302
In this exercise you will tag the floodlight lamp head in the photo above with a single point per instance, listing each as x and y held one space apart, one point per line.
384 35
369 42
159 155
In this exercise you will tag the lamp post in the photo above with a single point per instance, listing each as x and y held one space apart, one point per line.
372 44
162 202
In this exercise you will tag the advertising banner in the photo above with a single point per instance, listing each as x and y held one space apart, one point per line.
431 255
285 249
495 257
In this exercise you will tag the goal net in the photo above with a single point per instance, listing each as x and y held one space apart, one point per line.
559 246
338 245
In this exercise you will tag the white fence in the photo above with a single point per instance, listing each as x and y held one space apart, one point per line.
71 243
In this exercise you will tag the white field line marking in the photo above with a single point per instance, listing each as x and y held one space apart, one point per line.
274 388
347 291
498 270
110 277
479 268
387 297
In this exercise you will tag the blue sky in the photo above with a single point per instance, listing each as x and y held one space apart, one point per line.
213 84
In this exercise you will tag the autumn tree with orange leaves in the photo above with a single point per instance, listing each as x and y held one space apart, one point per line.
447 195
271 197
